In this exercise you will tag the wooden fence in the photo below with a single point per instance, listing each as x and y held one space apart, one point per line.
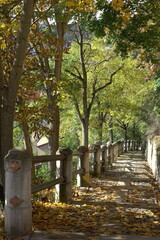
95 160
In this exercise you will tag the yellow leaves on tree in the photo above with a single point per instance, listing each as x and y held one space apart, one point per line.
80 5
119 5
7 31
5 1
2 41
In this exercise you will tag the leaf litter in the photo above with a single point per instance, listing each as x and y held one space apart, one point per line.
118 203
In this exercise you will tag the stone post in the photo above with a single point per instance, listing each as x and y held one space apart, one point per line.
115 151
65 191
84 159
157 162
97 166
153 155
18 209
134 146
123 146
120 148
78 177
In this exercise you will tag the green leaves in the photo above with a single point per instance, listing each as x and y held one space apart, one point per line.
141 31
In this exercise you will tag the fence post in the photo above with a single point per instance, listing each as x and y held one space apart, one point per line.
97 167
18 209
115 151
134 146
104 158
65 189
84 177
122 146
120 150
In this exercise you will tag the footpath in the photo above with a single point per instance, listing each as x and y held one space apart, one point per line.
122 205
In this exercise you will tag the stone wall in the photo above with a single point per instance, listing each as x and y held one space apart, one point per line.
153 155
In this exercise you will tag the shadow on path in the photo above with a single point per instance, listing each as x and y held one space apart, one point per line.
120 205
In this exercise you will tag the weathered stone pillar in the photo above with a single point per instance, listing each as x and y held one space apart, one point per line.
65 194
153 155
157 170
115 151
120 148
84 177
131 145
134 148
18 209
123 146
97 166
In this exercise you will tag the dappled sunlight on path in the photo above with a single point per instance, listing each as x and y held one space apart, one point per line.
123 202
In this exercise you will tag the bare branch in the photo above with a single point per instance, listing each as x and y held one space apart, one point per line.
77 108
110 81
122 124
80 77
100 88
105 60
43 14
74 75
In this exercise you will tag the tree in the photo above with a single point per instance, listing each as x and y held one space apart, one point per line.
70 128
15 28
10 83
121 103
89 71
127 110
48 45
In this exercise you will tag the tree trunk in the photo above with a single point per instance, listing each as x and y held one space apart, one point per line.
111 135
85 129
28 145
111 130
134 131
100 131
54 126
10 93
125 137
1 132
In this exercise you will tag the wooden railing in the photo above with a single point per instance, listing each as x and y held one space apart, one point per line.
94 160
102 158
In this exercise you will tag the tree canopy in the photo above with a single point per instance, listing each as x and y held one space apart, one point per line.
134 28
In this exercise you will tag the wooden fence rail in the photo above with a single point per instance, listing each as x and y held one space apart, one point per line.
18 189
